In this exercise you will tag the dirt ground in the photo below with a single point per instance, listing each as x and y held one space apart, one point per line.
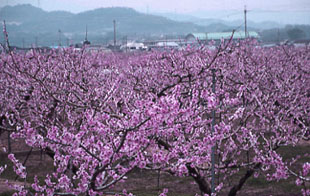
146 183
3 186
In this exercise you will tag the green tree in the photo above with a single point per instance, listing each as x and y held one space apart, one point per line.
296 34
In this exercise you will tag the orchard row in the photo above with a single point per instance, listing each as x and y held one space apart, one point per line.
99 115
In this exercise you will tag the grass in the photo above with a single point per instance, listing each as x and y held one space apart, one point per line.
8 173
289 152
287 186
7 193
34 166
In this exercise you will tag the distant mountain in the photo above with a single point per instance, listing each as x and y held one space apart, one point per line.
22 13
130 21
221 25
29 24
284 17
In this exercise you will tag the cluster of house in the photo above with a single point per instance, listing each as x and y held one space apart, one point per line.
190 39
167 44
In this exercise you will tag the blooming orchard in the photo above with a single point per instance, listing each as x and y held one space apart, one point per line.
101 115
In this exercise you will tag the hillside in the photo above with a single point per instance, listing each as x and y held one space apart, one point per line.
29 23
209 23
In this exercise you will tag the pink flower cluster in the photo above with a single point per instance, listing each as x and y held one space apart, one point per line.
19 169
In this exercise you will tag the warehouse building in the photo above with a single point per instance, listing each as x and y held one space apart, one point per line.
218 36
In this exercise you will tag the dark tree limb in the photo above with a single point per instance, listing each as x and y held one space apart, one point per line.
233 191
51 154
200 180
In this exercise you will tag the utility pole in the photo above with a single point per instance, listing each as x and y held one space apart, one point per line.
245 25
6 38
86 42
278 35
86 34
59 37
36 42
126 42
114 26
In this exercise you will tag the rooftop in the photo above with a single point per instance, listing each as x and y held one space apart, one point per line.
223 35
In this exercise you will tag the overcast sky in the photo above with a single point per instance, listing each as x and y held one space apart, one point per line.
193 7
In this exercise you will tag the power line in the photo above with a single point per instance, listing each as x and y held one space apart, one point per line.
276 11
233 14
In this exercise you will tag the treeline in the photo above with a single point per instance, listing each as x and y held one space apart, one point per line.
289 32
